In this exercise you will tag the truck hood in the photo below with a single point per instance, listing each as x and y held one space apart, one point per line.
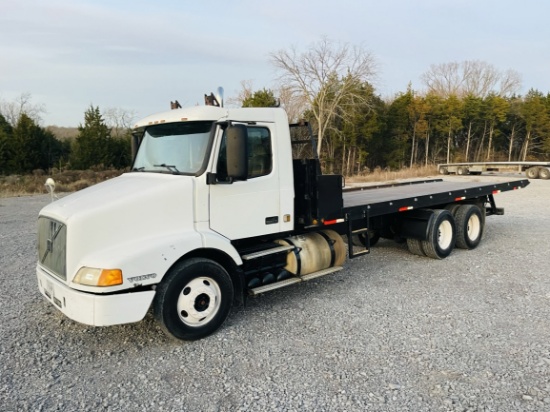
130 209
143 192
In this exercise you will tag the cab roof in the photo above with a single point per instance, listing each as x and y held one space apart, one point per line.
213 113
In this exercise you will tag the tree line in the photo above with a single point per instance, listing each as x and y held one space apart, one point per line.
427 128
420 129
25 146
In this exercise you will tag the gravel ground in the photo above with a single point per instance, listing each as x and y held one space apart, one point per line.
392 332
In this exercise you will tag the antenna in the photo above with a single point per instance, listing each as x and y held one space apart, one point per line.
50 185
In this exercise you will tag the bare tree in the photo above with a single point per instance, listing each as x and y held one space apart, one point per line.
12 110
510 83
325 76
119 120
246 91
470 78
294 104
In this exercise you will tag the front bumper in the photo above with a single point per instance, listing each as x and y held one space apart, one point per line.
92 309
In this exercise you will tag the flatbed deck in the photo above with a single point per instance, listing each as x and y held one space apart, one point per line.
386 199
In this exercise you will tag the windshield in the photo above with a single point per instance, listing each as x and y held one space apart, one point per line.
173 148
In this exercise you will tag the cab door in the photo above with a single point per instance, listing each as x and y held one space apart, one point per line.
251 207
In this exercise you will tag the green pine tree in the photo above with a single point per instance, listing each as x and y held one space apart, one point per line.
92 146
261 98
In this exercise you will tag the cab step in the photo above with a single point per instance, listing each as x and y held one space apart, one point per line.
296 279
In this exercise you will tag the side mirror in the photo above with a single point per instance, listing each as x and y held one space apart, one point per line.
237 152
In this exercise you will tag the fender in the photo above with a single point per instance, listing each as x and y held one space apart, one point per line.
143 261
213 240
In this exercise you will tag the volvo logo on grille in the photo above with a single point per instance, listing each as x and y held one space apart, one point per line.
55 228
52 244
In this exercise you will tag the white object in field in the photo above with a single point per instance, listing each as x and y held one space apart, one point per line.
50 185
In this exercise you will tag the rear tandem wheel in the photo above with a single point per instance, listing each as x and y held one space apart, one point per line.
469 226
544 173
415 247
441 235
532 172
361 238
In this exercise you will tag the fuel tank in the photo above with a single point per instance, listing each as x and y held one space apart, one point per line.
314 251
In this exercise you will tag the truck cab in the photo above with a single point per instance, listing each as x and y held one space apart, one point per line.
205 182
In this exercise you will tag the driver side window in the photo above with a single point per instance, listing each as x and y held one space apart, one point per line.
260 154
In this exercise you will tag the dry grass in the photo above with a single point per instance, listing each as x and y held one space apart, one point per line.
65 181
73 180
383 175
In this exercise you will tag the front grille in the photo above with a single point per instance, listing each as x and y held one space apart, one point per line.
52 246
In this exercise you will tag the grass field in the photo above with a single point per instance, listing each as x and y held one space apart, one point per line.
73 180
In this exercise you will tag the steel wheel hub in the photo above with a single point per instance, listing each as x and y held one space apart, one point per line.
474 227
199 301
445 234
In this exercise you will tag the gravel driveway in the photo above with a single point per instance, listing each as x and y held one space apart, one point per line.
392 332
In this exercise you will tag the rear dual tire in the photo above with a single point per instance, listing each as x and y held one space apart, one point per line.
361 238
415 247
533 172
441 235
469 226
456 225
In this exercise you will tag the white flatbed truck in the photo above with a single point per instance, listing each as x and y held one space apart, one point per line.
217 209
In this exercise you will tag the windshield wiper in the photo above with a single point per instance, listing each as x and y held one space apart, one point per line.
138 169
172 168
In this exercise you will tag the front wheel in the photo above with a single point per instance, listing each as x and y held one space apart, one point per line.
194 299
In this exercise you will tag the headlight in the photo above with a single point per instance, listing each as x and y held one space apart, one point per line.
98 277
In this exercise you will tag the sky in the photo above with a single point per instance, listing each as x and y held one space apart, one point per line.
139 55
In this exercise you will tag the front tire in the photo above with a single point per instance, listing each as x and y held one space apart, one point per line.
194 299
